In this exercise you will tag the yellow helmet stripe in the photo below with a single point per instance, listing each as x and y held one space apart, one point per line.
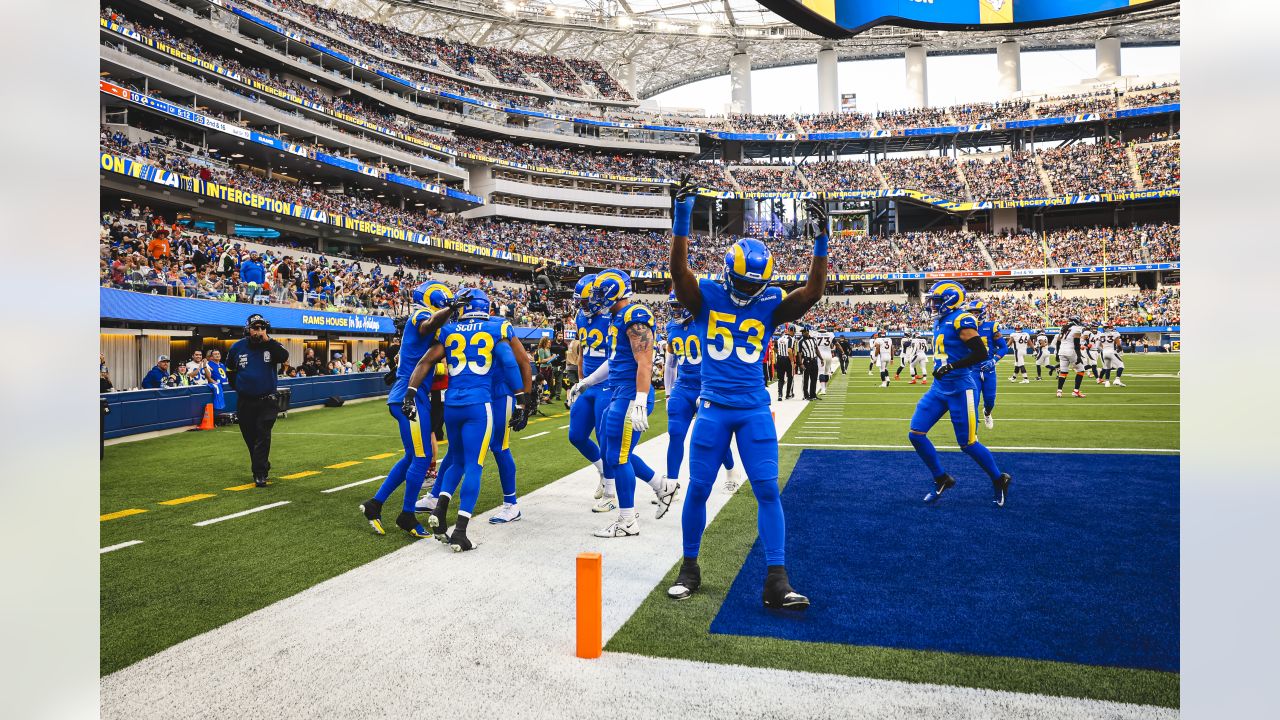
952 286
768 268
739 260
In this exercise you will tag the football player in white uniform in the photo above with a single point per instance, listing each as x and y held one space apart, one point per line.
882 353
1020 340
1071 355
1088 343
915 354
1044 354
1111 360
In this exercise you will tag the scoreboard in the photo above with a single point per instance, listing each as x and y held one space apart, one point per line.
843 18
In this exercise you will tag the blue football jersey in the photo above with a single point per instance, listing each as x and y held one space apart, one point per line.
622 364
686 347
987 330
413 345
593 333
734 339
474 352
946 333
505 333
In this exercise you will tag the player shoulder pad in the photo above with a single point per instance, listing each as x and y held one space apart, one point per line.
773 293
419 316
964 320
505 331
637 314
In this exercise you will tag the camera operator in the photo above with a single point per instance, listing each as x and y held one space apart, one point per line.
541 278
252 364
558 362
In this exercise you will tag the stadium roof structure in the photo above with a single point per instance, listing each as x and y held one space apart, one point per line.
675 42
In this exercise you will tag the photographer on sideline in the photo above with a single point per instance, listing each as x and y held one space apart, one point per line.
252 363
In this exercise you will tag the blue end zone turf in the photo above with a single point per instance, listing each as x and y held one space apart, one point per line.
1081 566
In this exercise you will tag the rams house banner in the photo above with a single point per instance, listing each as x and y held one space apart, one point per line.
844 18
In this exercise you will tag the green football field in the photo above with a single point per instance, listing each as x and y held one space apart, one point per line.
182 580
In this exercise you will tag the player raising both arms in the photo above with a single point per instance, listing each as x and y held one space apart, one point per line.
734 317
954 392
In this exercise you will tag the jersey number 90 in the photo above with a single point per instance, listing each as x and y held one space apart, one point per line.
720 343
689 349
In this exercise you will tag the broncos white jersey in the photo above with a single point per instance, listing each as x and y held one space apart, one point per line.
1066 340
1020 340
882 348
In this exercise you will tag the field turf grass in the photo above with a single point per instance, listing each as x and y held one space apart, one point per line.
184 580
858 414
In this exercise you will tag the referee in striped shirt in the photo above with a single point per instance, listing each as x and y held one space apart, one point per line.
809 356
784 362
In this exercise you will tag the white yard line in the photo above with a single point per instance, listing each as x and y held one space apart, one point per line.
351 485
536 435
119 546
242 513
999 418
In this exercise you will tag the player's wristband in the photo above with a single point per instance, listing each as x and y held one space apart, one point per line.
682 216
820 245
410 393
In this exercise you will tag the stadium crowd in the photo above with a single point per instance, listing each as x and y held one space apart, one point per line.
1160 165
756 178
1009 176
837 175
1085 168
934 175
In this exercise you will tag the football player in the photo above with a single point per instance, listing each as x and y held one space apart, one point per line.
1111 360
587 408
734 317
473 346
1020 340
683 378
432 305
882 353
628 373
997 348
954 392
505 419
1071 355
1044 353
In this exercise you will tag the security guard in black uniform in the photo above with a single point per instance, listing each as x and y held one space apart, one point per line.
253 364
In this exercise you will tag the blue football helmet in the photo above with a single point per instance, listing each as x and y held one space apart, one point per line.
977 308
434 296
945 296
748 268
678 311
582 291
478 305
610 286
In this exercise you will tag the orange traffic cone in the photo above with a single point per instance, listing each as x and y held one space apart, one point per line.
206 423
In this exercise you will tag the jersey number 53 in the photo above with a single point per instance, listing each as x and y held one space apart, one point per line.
720 343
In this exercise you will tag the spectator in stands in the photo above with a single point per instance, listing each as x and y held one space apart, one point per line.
158 376
159 248
196 370
310 366
252 273
104 377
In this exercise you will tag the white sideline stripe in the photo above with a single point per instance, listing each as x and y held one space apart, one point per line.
242 513
989 447
119 546
1048 401
319 434
562 427
351 485
530 437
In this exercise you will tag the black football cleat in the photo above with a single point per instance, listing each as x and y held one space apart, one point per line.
408 522
1000 487
260 481
440 528
372 510
778 594
688 581
458 540
941 484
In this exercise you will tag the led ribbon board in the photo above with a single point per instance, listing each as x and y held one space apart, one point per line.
843 18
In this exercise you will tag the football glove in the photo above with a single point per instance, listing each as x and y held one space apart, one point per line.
817 221
520 414
573 393
408 407
639 412
684 196
684 189
943 370
988 366
460 300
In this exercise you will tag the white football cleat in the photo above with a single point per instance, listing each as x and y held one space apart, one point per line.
989 421
1013 379
666 497
599 482
1106 383
732 479
884 384
510 512
426 503
607 504
1117 383
619 528
1059 393
1025 381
